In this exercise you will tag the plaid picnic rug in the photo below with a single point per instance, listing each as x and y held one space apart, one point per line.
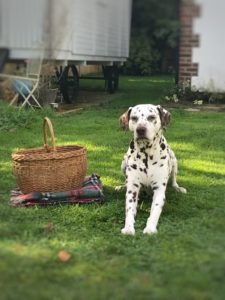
91 191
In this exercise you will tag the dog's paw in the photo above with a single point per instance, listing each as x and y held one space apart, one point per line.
128 231
119 188
149 230
182 190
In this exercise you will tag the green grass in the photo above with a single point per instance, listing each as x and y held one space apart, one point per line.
185 260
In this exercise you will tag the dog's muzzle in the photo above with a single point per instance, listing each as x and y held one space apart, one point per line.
141 132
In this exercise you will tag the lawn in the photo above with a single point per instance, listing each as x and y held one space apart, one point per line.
185 260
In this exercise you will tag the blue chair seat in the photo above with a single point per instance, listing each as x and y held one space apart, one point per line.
19 87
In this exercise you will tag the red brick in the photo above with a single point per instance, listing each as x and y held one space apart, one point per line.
196 11
188 40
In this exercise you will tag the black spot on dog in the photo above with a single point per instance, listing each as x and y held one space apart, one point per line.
151 157
128 169
163 146
134 166
161 165
134 195
145 160
143 170
163 157
138 156
156 204
155 188
161 140
155 163
130 200
164 183
135 184
129 192
132 145
143 149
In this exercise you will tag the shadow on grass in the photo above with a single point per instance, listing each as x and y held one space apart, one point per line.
80 278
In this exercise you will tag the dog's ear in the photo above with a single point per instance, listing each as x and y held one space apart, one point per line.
164 116
124 119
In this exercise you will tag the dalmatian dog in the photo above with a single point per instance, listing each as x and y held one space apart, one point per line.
149 162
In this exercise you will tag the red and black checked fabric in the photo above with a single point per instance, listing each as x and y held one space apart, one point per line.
91 191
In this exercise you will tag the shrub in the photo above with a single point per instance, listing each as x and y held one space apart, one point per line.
184 92
143 58
12 117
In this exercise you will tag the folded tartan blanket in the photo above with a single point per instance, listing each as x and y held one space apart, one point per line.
91 191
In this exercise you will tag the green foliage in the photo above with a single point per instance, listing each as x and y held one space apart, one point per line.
143 58
12 117
185 260
184 92
154 37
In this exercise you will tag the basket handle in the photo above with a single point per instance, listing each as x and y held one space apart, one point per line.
48 123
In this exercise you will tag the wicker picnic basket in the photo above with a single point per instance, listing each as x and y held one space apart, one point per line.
50 168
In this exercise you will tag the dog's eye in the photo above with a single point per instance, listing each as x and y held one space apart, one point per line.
151 118
134 118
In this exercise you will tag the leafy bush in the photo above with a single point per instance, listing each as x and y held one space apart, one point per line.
184 92
12 117
154 37
143 58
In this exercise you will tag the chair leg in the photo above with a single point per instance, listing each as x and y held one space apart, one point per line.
15 98
30 95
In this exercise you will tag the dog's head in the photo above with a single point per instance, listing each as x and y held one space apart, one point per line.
145 120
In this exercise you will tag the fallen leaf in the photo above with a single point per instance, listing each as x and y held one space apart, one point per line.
12 130
64 255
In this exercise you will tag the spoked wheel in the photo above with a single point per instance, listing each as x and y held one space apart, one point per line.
69 85
111 75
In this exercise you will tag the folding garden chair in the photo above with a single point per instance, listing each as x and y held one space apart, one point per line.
27 86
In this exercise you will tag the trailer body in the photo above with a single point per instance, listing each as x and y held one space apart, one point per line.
81 31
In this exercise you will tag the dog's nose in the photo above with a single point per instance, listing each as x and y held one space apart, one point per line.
141 131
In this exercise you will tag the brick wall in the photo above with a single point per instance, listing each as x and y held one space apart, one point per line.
188 40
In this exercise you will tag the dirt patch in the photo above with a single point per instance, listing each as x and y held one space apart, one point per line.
86 98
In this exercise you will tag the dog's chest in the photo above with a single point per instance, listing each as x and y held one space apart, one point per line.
149 164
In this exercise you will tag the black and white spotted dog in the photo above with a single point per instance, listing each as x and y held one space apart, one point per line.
148 162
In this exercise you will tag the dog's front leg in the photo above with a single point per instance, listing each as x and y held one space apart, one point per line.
156 209
131 208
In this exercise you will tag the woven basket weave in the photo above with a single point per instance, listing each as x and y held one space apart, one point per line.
50 169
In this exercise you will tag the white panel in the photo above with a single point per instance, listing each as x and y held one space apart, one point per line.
68 29
102 27
210 55
22 23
